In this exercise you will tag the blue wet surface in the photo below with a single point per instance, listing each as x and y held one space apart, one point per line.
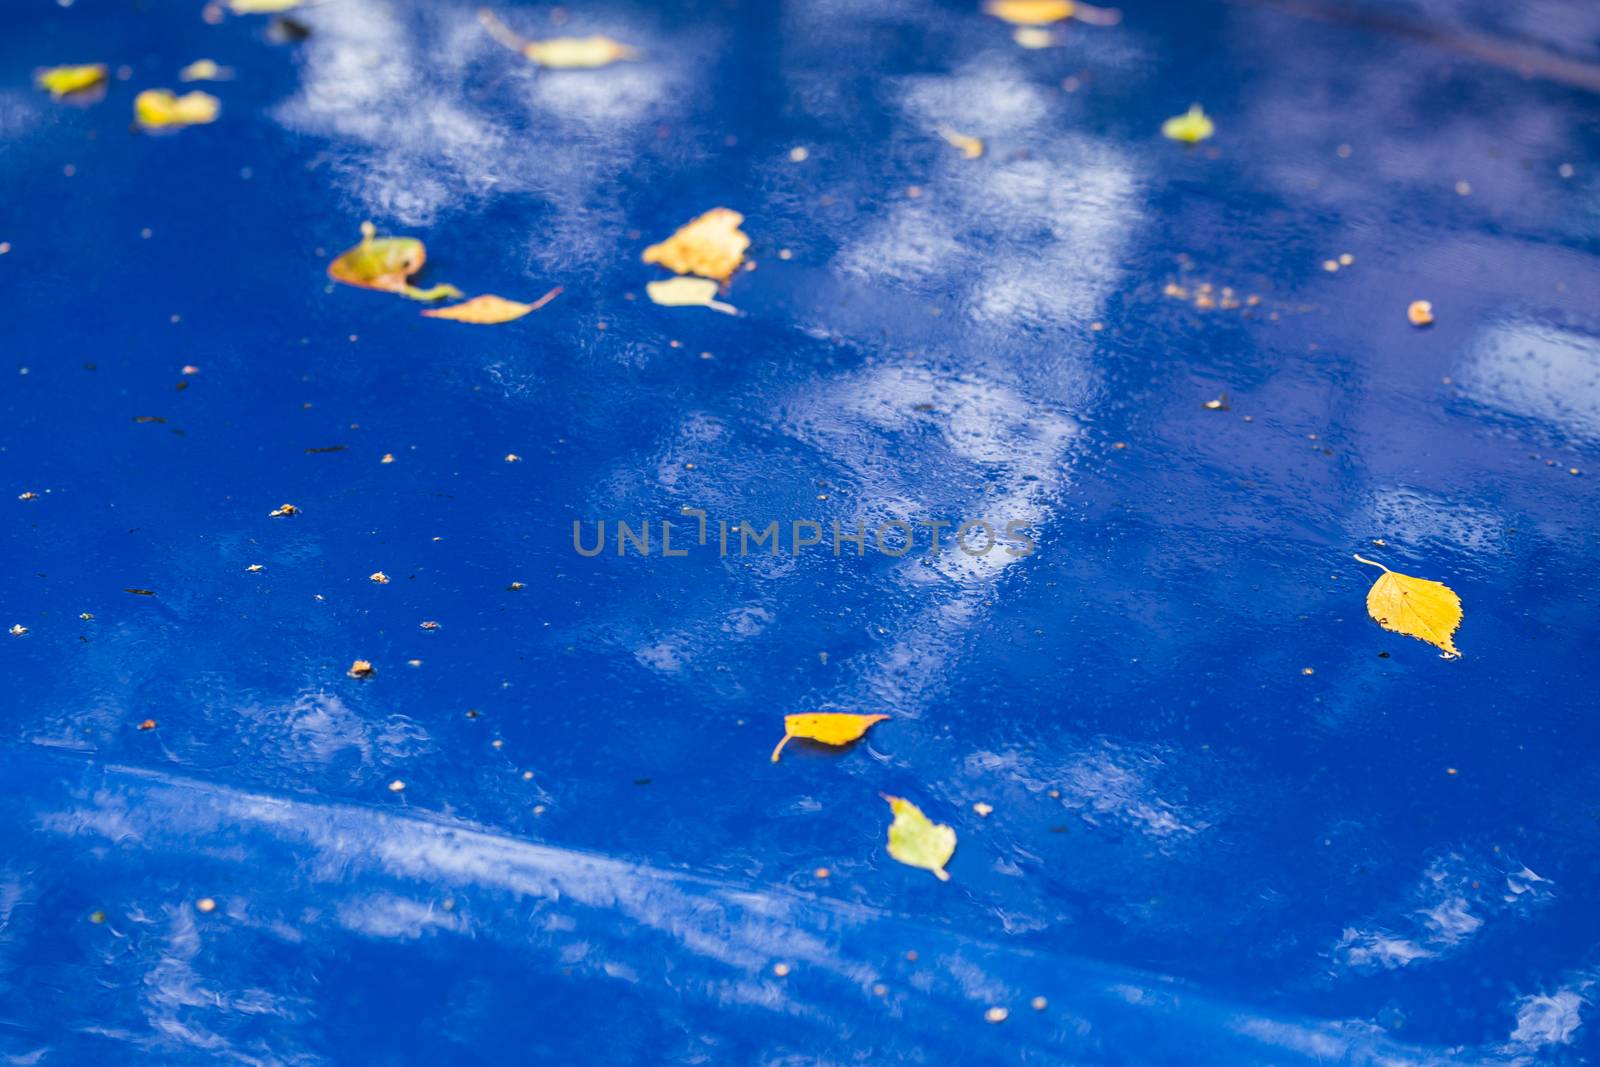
1233 820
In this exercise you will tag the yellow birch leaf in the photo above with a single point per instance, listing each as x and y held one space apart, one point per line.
711 246
688 292
262 7
828 727
1190 127
158 109
1030 12
918 841
205 70
1416 607
385 264
971 147
489 309
63 80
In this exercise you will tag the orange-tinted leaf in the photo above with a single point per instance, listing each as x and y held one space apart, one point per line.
384 263
711 246
561 53
828 727
489 309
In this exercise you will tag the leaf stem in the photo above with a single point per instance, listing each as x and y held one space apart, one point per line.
1372 563
500 31
786 739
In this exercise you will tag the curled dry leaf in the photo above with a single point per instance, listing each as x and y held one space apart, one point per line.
361 669
1420 313
71 79
1416 607
489 309
385 264
688 292
711 246
971 147
828 727
283 511
918 841
1192 126
561 53
162 109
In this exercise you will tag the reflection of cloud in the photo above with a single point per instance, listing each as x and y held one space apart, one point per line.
1539 372
1455 897
1413 517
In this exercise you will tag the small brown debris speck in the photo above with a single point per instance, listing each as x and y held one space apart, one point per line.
983 809
780 969
1463 188
822 872
429 624
141 592
378 577
1039 1003
30 495
86 616
880 990
1574 471
17 629
1119 445
1451 771
912 955
361 669
254 568
512 457
1330 265
190 368
1565 170
397 786
996 1015
282 511
205 904
1308 670
1345 259
1420 313
388 457
1219 404
97 917
515 586
148 724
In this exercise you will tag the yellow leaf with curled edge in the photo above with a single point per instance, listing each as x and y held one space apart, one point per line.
73 79
711 246
971 147
1192 126
488 310
558 53
1416 607
1030 12
159 109
918 841
262 7
385 264
828 727
688 292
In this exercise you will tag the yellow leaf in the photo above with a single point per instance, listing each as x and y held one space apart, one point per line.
918 841
688 292
561 53
828 727
1030 12
63 80
159 108
1194 125
711 246
1415 607
489 309
262 7
970 147
577 53
385 264
205 70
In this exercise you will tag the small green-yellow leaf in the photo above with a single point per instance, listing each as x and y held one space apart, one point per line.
828 727
918 841
562 53
1416 607
1192 126
205 70
688 292
74 79
385 264
157 109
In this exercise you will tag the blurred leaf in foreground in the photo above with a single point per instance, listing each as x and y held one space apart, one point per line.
918 841
385 264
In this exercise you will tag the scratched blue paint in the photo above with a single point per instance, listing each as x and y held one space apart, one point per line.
1234 821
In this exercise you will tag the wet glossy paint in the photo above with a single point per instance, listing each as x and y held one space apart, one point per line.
1234 821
